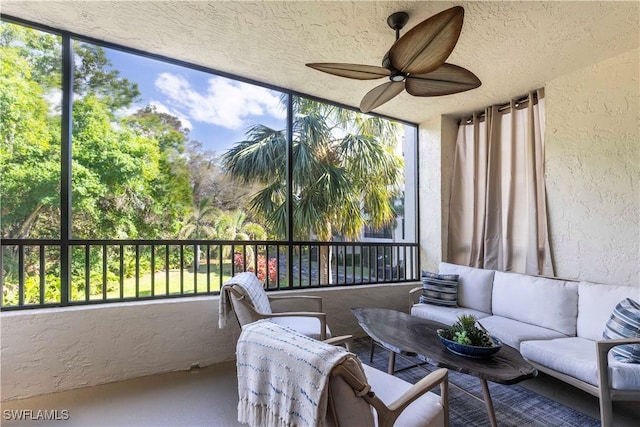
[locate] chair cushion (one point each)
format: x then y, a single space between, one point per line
426 411
624 323
439 289
474 285
446 315
595 305
513 332
309 326
540 301
576 357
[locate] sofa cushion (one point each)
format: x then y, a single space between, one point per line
474 285
424 411
513 332
540 301
595 305
624 323
576 357
439 289
446 315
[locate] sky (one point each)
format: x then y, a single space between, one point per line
217 110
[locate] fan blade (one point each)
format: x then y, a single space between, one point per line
379 95
445 80
352 71
427 45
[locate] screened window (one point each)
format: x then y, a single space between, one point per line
179 178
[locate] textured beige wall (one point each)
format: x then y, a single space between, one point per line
592 174
429 194
437 148
52 350
593 171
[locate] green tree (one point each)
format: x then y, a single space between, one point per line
208 180
29 150
171 189
345 173
130 178
113 172
93 75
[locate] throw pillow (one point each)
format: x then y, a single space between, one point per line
439 289
624 323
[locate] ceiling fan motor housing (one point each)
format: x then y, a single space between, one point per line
398 20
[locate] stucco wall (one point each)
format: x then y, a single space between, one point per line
50 350
429 194
437 148
592 171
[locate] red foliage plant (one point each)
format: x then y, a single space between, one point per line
264 267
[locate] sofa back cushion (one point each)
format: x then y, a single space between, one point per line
596 303
474 285
540 301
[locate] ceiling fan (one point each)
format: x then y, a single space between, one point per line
415 61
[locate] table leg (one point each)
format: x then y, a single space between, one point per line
392 362
489 403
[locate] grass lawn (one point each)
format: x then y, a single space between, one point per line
185 283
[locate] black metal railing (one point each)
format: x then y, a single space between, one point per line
103 271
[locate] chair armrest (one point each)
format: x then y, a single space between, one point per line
605 345
602 352
316 299
412 295
604 389
438 377
602 349
295 314
347 340
388 414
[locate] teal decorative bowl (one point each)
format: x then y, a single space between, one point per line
471 350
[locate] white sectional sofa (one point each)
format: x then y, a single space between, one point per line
556 324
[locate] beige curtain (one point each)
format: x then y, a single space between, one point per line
498 214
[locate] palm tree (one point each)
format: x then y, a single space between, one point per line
233 226
345 173
199 224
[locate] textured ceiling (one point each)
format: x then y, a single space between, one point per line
512 47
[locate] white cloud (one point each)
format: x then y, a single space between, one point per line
161 108
225 103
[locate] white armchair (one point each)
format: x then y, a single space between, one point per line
284 375
250 303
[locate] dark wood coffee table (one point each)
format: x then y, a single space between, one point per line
413 336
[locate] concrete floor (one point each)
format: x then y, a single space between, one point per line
208 397
203 397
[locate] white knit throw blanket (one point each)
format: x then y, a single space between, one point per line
283 376
250 283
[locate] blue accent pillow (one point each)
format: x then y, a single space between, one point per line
624 323
439 289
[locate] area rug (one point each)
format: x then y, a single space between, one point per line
515 406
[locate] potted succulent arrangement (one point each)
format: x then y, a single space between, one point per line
466 339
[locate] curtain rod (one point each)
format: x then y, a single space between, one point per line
524 99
